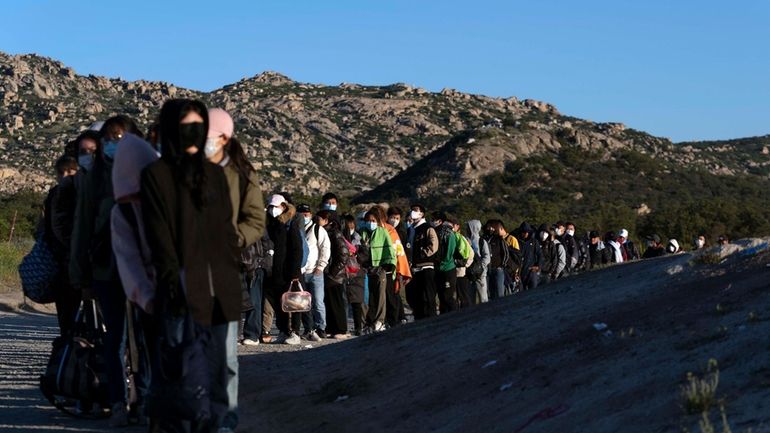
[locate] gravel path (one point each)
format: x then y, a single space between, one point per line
25 343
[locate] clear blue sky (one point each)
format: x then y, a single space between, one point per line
679 69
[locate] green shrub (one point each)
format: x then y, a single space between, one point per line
11 254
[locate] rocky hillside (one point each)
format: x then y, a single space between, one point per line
309 138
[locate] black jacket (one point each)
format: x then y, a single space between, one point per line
530 250
189 228
286 232
336 271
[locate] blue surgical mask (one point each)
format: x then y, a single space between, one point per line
110 147
307 220
372 226
86 161
331 207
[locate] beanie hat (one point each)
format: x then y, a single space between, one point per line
220 123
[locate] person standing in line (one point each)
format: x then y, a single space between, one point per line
92 267
421 291
134 258
286 232
479 287
335 277
319 246
188 219
223 149
382 266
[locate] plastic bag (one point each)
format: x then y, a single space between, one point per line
298 301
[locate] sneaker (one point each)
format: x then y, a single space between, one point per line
293 339
137 414
312 336
280 339
321 333
249 342
119 415
379 326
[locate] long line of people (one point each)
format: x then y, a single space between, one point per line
178 227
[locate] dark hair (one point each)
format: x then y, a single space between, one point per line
560 224
65 163
348 218
419 207
121 121
238 157
381 216
374 213
71 148
324 214
86 135
570 223
393 210
496 225
329 196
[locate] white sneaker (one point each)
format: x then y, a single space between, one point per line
312 336
293 339
379 326
250 342
280 339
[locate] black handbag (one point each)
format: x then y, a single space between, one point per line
180 385
76 368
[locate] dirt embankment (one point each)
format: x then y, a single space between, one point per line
536 363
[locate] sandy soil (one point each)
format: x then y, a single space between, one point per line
535 362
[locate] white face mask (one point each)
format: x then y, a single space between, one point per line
543 236
307 220
331 207
393 222
571 232
372 225
212 148
700 243
559 232
276 211
416 215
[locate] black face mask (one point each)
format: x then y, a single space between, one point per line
192 135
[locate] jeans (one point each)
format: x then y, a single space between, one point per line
496 283
315 285
480 287
252 328
231 350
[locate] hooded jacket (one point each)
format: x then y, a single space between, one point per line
188 219
530 250
129 241
480 246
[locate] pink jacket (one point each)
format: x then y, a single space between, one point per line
132 253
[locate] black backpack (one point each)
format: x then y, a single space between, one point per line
475 271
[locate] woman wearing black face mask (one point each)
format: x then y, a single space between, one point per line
187 215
